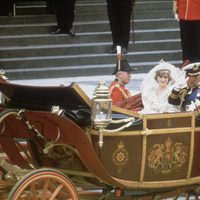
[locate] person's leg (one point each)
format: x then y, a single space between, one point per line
185 33
113 16
60 15
50 7
125 19
70 6
65 16
195 40
6 7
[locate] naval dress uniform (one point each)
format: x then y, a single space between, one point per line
184 97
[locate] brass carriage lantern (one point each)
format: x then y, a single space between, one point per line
101 109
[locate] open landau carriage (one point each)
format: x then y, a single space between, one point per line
60 154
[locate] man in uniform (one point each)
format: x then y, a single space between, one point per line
117 88
184 94
65 16
119 14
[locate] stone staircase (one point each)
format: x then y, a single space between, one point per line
28 49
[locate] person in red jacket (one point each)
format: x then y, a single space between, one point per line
117 88
189 20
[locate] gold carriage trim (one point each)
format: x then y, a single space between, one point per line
168 157
120 156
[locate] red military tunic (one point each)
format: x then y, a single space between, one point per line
188 9
118 92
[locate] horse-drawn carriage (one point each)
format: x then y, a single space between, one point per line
55 153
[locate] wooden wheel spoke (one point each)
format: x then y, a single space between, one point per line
56 192
45 188
28 196
33 189
176 197
187 196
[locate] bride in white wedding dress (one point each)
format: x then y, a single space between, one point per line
156 87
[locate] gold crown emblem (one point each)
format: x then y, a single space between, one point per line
121 145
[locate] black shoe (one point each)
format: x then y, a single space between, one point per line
124 50
71 33
59 31
113 49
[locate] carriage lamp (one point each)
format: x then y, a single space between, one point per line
101 115
101 109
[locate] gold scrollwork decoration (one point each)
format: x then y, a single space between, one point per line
168 157
120 156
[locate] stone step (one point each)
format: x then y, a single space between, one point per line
38 7
68 49
101 26
86 59
82 17
80 70
146 14
47 39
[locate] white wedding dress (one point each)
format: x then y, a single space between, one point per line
154 103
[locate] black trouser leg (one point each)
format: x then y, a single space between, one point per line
70 6
185 33
125 17
119 14
113 15
6 7
195 40
50 6
65 14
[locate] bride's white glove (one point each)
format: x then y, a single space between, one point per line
181 83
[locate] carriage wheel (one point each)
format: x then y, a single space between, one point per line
44 184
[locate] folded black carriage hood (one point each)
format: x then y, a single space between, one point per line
43 97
